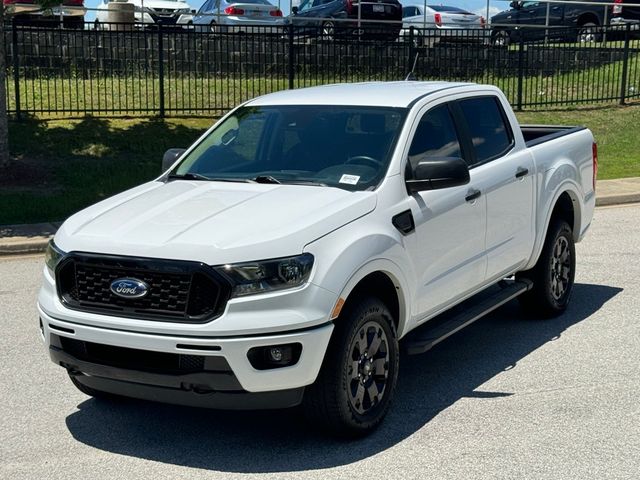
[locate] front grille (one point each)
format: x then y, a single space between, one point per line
177 291
142 360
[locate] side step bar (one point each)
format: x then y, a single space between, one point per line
446 324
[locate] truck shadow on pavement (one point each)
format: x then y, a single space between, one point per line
280 441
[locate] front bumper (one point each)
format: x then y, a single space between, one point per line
232 350
215 387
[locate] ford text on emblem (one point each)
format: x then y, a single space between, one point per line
129 288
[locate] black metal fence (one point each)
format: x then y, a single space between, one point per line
183 71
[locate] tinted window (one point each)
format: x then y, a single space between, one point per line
489 133
435 136
409 12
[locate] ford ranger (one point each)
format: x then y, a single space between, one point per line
288 255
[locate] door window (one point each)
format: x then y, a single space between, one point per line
436 136
488 128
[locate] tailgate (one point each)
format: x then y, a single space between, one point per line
379 10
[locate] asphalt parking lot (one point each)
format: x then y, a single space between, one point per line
509 397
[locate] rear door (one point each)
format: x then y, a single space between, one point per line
508 183
533 15
312 12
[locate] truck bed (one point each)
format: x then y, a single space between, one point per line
537 134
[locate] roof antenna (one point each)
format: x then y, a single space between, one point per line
411 76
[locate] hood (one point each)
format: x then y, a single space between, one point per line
212 222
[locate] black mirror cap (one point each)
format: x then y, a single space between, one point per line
170 156
438 172
294 10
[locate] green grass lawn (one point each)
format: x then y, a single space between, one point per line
615 130
66 165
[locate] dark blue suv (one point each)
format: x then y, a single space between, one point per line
377 19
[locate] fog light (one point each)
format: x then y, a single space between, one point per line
274 356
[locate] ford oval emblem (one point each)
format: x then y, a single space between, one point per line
129 288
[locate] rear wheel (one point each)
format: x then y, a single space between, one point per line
355 386
588 33
329 30
553 274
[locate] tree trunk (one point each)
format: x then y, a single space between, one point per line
4 120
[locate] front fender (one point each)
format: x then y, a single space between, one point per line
344 259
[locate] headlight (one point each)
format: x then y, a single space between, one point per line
268 275
52 256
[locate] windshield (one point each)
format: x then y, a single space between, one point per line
339 146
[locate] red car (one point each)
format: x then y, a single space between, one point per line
29 12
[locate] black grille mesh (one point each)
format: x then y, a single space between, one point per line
179 291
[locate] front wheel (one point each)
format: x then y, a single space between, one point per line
355 386
553 274
501 38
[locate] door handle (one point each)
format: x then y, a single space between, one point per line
521 172
472 194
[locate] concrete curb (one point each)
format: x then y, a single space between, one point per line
26 239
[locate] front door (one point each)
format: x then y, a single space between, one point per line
448 253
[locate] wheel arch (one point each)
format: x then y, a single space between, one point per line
383 280
588 17
566 205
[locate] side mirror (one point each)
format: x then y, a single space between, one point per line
294 10
516 5
170 156
438 172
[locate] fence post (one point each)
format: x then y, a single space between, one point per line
161 69
625 66
16 65
520 71
291 69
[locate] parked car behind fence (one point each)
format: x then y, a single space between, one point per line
377 19
224 15
147 12
583 21
70 12
448 22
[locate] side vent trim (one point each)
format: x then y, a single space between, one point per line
404 222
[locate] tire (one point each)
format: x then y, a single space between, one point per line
554 273
328 31
355 386
501 39
92 392
588 33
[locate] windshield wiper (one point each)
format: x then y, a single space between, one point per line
198 176
187 176
305 182
266 179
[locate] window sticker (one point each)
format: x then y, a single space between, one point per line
350 179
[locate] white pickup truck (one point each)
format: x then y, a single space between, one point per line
292 250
